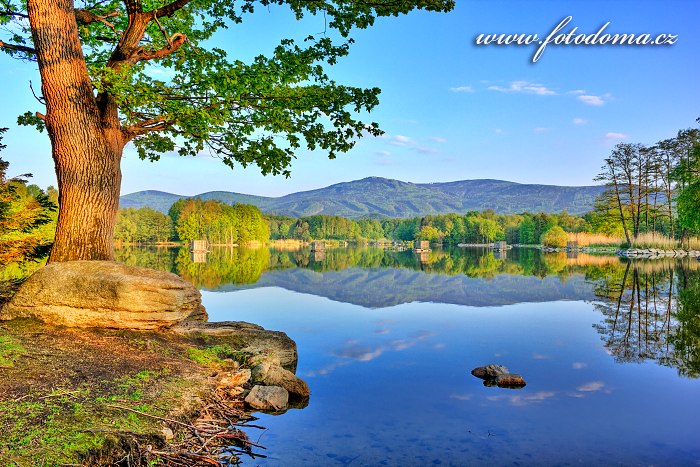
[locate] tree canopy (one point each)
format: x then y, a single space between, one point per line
258 113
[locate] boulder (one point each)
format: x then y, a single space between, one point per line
268 398
105 294
239 378
489 371
273 375
247 337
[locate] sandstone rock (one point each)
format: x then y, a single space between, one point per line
105 294
273 375
268 398
248 337
239 378
489 371
509 380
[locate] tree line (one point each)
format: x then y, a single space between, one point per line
472 227
192 219
652 188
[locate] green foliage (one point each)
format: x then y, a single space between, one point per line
214 356
555 237
218 223
689 207
27 218
143 225
261 112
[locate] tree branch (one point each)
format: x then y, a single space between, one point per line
13 13
18 48
87 17
171 8
174 42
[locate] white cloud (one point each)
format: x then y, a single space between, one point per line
438 139
524 87
462 89
425 150
382 153
580 121
614 136
578 365
400 140
591 100
499 131
577 92
541 130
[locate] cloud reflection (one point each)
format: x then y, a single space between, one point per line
526 399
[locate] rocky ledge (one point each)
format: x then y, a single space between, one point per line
655 253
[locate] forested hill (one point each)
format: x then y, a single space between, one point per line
383 197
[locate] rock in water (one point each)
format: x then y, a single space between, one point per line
268 398
509 380
105 294
489 371
273 375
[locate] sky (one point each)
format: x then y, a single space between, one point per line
450 109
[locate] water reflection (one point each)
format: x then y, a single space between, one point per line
652 312
650 309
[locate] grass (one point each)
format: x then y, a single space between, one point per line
63 391
10 351
594 239
216 355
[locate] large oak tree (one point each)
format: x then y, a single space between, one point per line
100 64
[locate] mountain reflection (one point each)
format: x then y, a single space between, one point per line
651 309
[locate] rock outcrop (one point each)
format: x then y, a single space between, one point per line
105 294
246 337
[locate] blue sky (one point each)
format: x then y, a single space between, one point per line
451 110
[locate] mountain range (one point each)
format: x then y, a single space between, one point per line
382 197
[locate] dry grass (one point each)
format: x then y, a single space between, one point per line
589 239
654 240
692 243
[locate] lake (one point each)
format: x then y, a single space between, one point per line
610 351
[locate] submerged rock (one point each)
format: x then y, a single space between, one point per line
489 371
498 375
510 380
105 294
268 398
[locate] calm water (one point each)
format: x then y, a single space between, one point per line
610 351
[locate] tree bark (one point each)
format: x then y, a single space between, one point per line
86 138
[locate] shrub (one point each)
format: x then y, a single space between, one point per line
555 237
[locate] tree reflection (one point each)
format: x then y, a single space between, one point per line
652 312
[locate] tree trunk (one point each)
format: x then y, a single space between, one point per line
86 139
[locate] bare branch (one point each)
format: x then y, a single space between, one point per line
87 17
13 13
174 42
18 48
